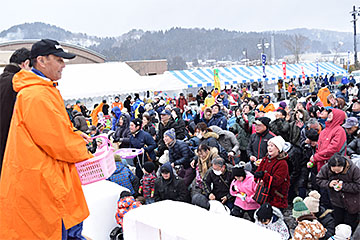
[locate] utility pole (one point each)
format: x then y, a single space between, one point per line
354 13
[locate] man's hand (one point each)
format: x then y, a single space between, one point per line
192 164
212 196
85 137
223 199
253 158
231 154
173 165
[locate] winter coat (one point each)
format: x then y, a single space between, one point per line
148 184
211 139
219 120
115 120
7 102
150 128
292 103
308 228
349 196
219 185
331 140
276 167
123 176
94 114
267 108
205 164
180 154
280 127
39 184
326 218
247 186
142 139
277 223
171 189
353 147
243 129
297 165
227 140
80 121
122 133
162 129
125 204
294 133
181 102
180 126
258 144
323 94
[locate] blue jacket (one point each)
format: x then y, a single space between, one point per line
180 154
115 119
144 140
218 120
123 176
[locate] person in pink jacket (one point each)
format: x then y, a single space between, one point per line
331 140
243 188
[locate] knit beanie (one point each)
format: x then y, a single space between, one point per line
279 142
149 167
299 208
312 202
265 212
170 133
342 232
238 172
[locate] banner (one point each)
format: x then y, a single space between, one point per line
263 58
303 75
216 79
284 69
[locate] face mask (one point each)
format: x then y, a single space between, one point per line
117 100
217 172
199 136
313 99
174 115
300 116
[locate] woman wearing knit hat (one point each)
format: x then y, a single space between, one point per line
342 232
324 216
308 226
274 166
243 188
271 218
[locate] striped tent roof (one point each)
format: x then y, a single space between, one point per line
242 74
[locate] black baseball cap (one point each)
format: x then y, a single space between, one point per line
46 47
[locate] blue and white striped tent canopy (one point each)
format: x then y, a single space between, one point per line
242 74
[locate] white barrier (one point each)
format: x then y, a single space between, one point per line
101 198
170 220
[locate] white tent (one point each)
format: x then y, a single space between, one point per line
170 220
101 79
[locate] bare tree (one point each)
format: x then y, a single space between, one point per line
297 45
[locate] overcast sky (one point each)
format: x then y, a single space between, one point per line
115 17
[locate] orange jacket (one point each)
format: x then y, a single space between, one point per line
77 108
323 94
95 112
39 186
117 104
269 108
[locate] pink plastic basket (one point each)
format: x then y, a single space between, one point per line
100 167
127 153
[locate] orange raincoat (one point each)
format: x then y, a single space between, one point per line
323 94
39 186
95 112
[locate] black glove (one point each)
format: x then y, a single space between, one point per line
259 174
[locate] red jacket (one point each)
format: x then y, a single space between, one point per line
181 102
279 170
331 140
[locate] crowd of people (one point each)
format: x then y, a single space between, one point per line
218 147
218 150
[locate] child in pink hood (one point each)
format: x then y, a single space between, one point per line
243 188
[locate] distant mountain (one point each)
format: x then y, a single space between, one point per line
182 44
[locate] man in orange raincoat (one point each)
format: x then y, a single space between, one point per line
40 190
